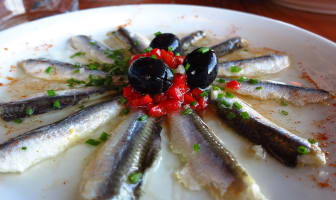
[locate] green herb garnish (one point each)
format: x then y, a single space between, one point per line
143 118
29 111
125 111
203 49
154 56
92 142
157 33
104 136
92 66
204 94
18 121
235 69
23 148
170 49
57 104
215 87
187 111
220 96
123 100
92 43
283 103
76 71
284 112
221 80
136 43
302 150
253 81
173 70
229 95
187 67
258 88
193 103
225 103
311 141
77 54
149 49
72 82
51 93
177 54
49 70
134 177
245 115
230 115
237 105
242 78
196 147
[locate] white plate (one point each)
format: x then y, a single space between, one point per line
58 178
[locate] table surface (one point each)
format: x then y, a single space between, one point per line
324 25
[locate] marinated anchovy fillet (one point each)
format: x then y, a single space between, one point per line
58 71
190 39
258 66
44 102
280 91
229 46
116 171
135 42
283 145
91 49
20 153
208 163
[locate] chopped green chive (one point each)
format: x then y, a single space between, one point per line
242 78
49 70
177 54
136 43
92 142
154 56
311 141
57 104
245 115
170 49
173 70
220 96
283 103
284 112
81 107
196 147
76 65
253 81
157 33
148 49
193 103
204 94
187 66
221 80
225 103
258 88
230 115
123 100
302 150
23 148
77 54
107 52
104 136
125 111
92 43
72 82
203 49
235 69
215 87
143 118
229 95
18 121
76 71
29 111
51 93
237 105
92 66
135 177
187 111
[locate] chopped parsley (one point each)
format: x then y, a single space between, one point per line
245 115
92 43
302 150
187 111
215 87
177 54
173 70
253 81
123 100
104 136
148 49
225 103
235 69
57 104
237 105
193 103
125 111
204 94
187 66
284 112
157 33
51 93
203 49
18 121
92 142
72 82
29 111
258 88
77 54
170 49
229 95
283 103
92 66
196 147
220 96
24 148
154 56
221 80
230 115
311 141
49 70
242 78
75 71
135 177
136 43
143 118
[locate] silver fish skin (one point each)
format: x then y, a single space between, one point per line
131 148
258 66
32 147
229 46
190 39
212 166
43 103
93 49
61 71
133 41
271 90
280 143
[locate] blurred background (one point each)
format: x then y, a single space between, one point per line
318 16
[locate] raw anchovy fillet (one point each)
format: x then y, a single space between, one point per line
258 66
93 49
43 103
279 142
229 46
211 165
135 42
131 148
190 39
58 71
280 91
20 153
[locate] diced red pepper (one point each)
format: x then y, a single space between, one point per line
202 104
233 85
174 92
188 98
196 93
157 111
171 105
159 98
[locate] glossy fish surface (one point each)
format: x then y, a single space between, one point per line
19 153
44 102
230 45
270 90
91 49
206 162
58 71
286 147
190 39
131 149
258 66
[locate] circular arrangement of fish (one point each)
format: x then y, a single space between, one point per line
125 155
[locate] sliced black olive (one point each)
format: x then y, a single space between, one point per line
150 75
201 67
166 41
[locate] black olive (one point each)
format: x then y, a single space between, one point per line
149 75
166 41
201 67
